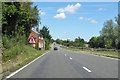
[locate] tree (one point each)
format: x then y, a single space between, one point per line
79 42
117 32
96 42
107 33
46 33
18 18
100 42
92 42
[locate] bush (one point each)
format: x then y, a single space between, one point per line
47 44
36 46
12 46
109 47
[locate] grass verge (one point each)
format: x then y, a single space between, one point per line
113 54
20 60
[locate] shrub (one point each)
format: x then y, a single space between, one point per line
12 46
36 46
46 44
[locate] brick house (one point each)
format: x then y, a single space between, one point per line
41 40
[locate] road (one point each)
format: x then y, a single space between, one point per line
70 64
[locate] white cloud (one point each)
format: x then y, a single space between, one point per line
60 16
89 19
81 18
65 32
70 8
93 21
101 9
42 13
60 36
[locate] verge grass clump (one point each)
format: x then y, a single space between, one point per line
17 53
12 46
113 54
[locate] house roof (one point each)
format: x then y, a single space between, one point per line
40 35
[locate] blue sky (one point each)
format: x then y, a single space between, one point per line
68 20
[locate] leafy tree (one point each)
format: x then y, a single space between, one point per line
18 18
46 44
117 32
79 42
100 42
96 42
46 33
108 33
92 42
59 41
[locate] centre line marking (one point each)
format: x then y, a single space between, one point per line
65 54
70 58
87 69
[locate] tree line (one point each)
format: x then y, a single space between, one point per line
109 37
78 42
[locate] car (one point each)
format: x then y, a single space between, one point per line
55 48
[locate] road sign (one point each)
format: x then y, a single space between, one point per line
32 40
33 45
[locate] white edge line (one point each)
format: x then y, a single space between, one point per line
87 69
25 66
70 58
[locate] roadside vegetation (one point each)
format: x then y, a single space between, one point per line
18 18
108 39
78 42
113 54
27 55
47 37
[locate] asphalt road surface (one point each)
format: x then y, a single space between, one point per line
69 64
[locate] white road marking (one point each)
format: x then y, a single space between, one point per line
70 58
97 55
87 69
25 66
65 54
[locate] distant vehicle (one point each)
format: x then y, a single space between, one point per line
55 48
60 45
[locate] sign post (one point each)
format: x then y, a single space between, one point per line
32 41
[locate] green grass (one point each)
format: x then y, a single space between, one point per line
21 59
113 54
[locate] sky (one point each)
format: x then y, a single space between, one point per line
68 20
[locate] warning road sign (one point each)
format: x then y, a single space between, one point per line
32 40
